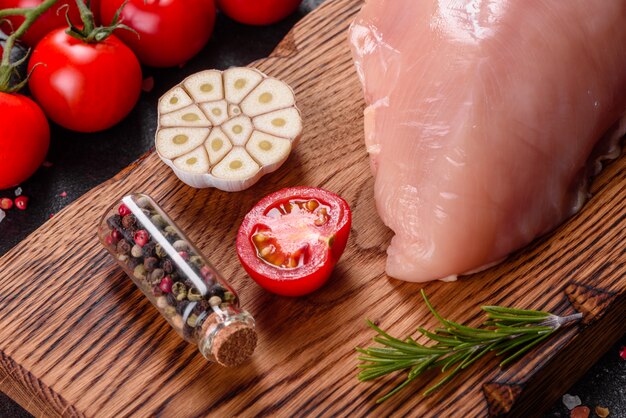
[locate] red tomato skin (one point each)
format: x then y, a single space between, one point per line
258 12
84 87
302 280
170 32
53 18
24 140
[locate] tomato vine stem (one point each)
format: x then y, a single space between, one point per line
7 68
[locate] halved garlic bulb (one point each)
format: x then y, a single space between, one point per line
227 129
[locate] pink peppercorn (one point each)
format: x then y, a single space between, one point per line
116 235
123 210
184 255
166 284
141 237
21 202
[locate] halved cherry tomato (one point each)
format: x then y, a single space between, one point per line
291 240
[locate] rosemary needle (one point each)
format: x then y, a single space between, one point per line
456 346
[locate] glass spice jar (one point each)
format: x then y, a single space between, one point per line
186 289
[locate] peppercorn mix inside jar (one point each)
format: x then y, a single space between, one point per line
186 289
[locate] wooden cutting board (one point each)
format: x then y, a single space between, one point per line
77 338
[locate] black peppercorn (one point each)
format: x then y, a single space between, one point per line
156 291
129 222
188 331
149 249
150 263
201 306
156 276
123 247
115 222
171 299
168 266
134 262
216 290
181 307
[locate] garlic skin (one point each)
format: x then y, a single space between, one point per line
227 129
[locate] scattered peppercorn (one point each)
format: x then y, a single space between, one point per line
6 203
580 412
602 412
21 202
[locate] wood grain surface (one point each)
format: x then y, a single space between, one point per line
78 339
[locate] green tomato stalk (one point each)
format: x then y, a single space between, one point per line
7 68
90 33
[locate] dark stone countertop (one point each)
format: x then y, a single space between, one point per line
81 162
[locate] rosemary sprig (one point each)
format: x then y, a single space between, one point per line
506 331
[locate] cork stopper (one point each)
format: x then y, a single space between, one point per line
234 344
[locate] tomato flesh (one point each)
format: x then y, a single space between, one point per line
291 240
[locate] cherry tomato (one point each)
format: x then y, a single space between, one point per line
53 18
170 31
84 87
258 12
291 240
24 140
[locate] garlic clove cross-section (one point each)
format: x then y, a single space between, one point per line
227 129
196 161
187 116
175 99
217 145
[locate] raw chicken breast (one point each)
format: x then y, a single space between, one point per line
484 119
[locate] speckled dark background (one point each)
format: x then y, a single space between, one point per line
80 162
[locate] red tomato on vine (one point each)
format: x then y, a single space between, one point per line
51 19
258 12
24 141
170 31
84 85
